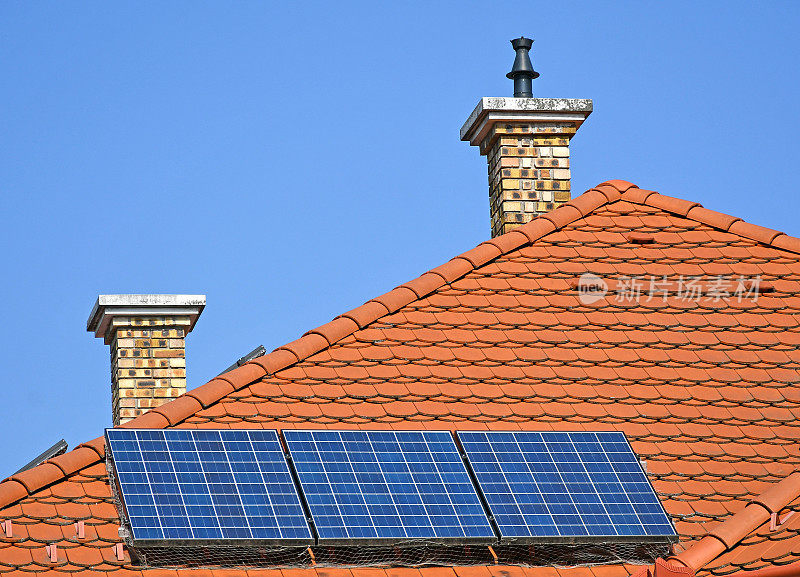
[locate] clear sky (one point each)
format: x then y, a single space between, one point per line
292 160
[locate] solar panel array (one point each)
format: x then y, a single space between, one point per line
565 485
181 484
198 485
390 485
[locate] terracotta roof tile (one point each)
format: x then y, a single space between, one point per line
499 338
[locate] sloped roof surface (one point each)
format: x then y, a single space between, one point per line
705 388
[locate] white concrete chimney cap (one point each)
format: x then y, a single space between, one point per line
109 306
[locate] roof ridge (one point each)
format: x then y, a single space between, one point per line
176 411
725 222
25 483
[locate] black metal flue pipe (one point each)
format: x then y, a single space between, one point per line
522 73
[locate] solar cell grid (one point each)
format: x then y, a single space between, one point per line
206 485
565 485
387 485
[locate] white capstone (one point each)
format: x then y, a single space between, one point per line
107 307
491 110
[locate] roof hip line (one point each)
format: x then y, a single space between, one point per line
728 534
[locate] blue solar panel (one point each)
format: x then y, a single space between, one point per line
388 485
545 485
181 484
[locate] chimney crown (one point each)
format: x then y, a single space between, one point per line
512 110
107 307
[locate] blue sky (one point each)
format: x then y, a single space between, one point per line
293 160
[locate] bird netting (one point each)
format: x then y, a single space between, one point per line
413 554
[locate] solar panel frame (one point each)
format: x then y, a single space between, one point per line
171 494
360 475
552 485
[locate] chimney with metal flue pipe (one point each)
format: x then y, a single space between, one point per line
526 142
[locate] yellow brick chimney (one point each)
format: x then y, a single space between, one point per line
147 336
526 142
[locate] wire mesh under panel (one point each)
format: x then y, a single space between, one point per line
570 555
416 554
220 556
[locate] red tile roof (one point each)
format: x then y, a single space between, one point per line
706 390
